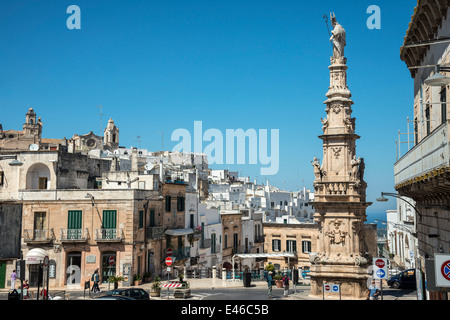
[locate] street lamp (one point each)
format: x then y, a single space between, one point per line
396 195
438 80
14 163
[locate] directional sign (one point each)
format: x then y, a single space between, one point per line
335 288
380 273
169 261
442 269
379 268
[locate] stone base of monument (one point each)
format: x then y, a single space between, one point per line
352 280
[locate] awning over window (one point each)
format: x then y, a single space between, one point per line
35 256
265 255
179 232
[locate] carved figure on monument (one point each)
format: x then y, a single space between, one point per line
350 123
325 123
318 173
355 167
338 38
337 236
361 170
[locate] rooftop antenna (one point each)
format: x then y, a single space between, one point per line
138 141
100 114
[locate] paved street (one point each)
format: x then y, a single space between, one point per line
216 289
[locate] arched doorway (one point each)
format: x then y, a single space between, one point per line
38 177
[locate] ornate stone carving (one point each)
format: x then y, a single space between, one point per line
337 236
336 151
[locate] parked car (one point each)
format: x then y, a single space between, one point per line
134 293
114 297
404 279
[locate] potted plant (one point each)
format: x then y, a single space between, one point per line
115 279
147 277
137 279
155 290
278 280
184 291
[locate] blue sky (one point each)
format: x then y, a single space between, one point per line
159 66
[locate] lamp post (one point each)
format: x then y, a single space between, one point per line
396 195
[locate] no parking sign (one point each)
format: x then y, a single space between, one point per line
442 269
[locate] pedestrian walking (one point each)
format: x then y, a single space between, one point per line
269 280
13 279
373 292
286 285
96 279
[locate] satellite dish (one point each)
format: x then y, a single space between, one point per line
34 147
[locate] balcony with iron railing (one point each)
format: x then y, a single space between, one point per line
38 236
430 154
205 243
182 253
109 235
74 235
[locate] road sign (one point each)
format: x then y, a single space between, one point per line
327 288
169 261
335 288
380 263
45 261
169 252
380 273
442 269
111 260
379 268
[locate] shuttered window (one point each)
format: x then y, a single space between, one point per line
75 219
109 219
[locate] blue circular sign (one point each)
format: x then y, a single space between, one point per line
380 273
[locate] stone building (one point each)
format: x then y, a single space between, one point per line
422 174
299 239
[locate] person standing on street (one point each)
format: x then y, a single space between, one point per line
286 285
374 292
13 279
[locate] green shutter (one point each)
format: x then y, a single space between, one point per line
109 219
74 220
141 218
152 218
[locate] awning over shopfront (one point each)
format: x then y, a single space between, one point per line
265 255
179 232
35 256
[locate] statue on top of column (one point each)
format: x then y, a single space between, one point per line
338 38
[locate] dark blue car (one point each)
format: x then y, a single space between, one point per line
405 280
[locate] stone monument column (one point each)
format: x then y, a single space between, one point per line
340 190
